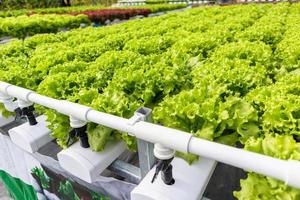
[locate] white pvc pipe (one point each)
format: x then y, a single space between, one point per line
43 100
287 171
150 132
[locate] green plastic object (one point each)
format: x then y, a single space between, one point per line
17 189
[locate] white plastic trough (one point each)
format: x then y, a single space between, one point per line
190 182
87 164
31 138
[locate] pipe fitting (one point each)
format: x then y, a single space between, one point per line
164 158
163 153
4 97
76 123
23 104
11 106
20 93
79 130
8 102
29 113
142 114
26 109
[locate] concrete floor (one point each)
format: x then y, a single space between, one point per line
3 193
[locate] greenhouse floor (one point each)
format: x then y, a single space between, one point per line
3 193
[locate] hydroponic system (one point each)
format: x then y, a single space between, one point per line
179 92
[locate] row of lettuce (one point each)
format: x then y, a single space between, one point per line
57 10
7 4
62 10
42 4
232 77
28 25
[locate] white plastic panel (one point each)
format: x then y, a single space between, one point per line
31 138
87 164
190 182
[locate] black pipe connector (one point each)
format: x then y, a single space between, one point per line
27 112
167 175
83 137
81 134
166 169
19 115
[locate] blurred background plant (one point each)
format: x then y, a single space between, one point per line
29 4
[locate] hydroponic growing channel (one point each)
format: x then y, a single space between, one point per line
224 74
